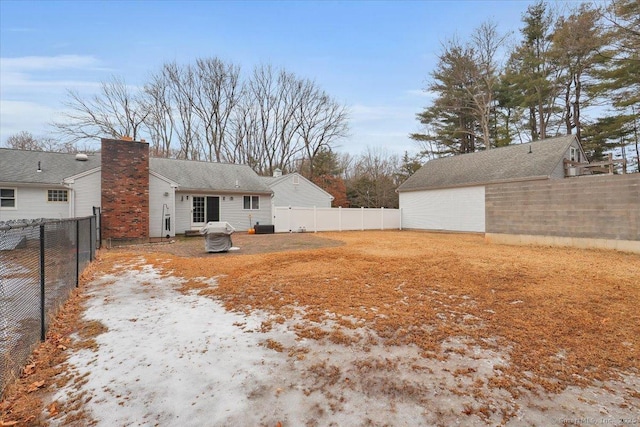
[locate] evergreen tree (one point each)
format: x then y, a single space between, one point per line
465 80
577 41
531 73
619 75
450 116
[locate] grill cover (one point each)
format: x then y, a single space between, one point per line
217 236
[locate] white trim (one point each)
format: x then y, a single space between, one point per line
251 208
476 184
15 199
165 179
49 190
70 179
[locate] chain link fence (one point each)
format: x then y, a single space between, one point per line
40 264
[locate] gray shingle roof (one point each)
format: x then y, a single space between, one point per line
271 180
510 163
19 166
193 175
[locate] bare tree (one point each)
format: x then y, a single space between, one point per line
276 100
183 94
287 119
239 129
206 111
215 99
373 180
116 111
321 121
486 43
160 121
23 140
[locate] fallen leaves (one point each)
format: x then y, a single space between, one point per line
53 409
415 288
35 386
22 400
29 369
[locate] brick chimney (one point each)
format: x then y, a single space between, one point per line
125 189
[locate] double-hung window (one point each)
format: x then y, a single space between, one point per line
251 202
7 198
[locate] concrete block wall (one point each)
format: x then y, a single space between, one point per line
592 207
125 189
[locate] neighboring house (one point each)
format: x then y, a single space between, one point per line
32 184
449 193
139 196
295 190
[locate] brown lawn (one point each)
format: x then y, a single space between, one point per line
565 317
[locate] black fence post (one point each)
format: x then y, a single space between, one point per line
92 243
77 252
42 298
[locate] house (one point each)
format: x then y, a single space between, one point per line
295 190
139 196
449 193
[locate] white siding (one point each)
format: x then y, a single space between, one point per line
454 209
87 194
234 213
31 203
182 212
231 210
296 219
305 194
161 207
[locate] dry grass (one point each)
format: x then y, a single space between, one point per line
564 316
22 401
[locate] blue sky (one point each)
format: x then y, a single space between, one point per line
372 56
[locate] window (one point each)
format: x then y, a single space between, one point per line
574 154
7 198
252 202
198 209
57 196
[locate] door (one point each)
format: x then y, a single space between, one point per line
213 209
205 209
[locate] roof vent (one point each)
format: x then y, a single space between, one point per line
81 157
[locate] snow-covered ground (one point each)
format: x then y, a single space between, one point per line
172 359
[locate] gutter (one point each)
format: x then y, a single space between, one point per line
218 191
477 184
34 184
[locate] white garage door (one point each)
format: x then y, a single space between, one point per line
454 209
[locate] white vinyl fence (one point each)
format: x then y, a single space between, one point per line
294 219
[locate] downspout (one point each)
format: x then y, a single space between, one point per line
162 222
72 199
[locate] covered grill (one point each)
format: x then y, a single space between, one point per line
217 236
